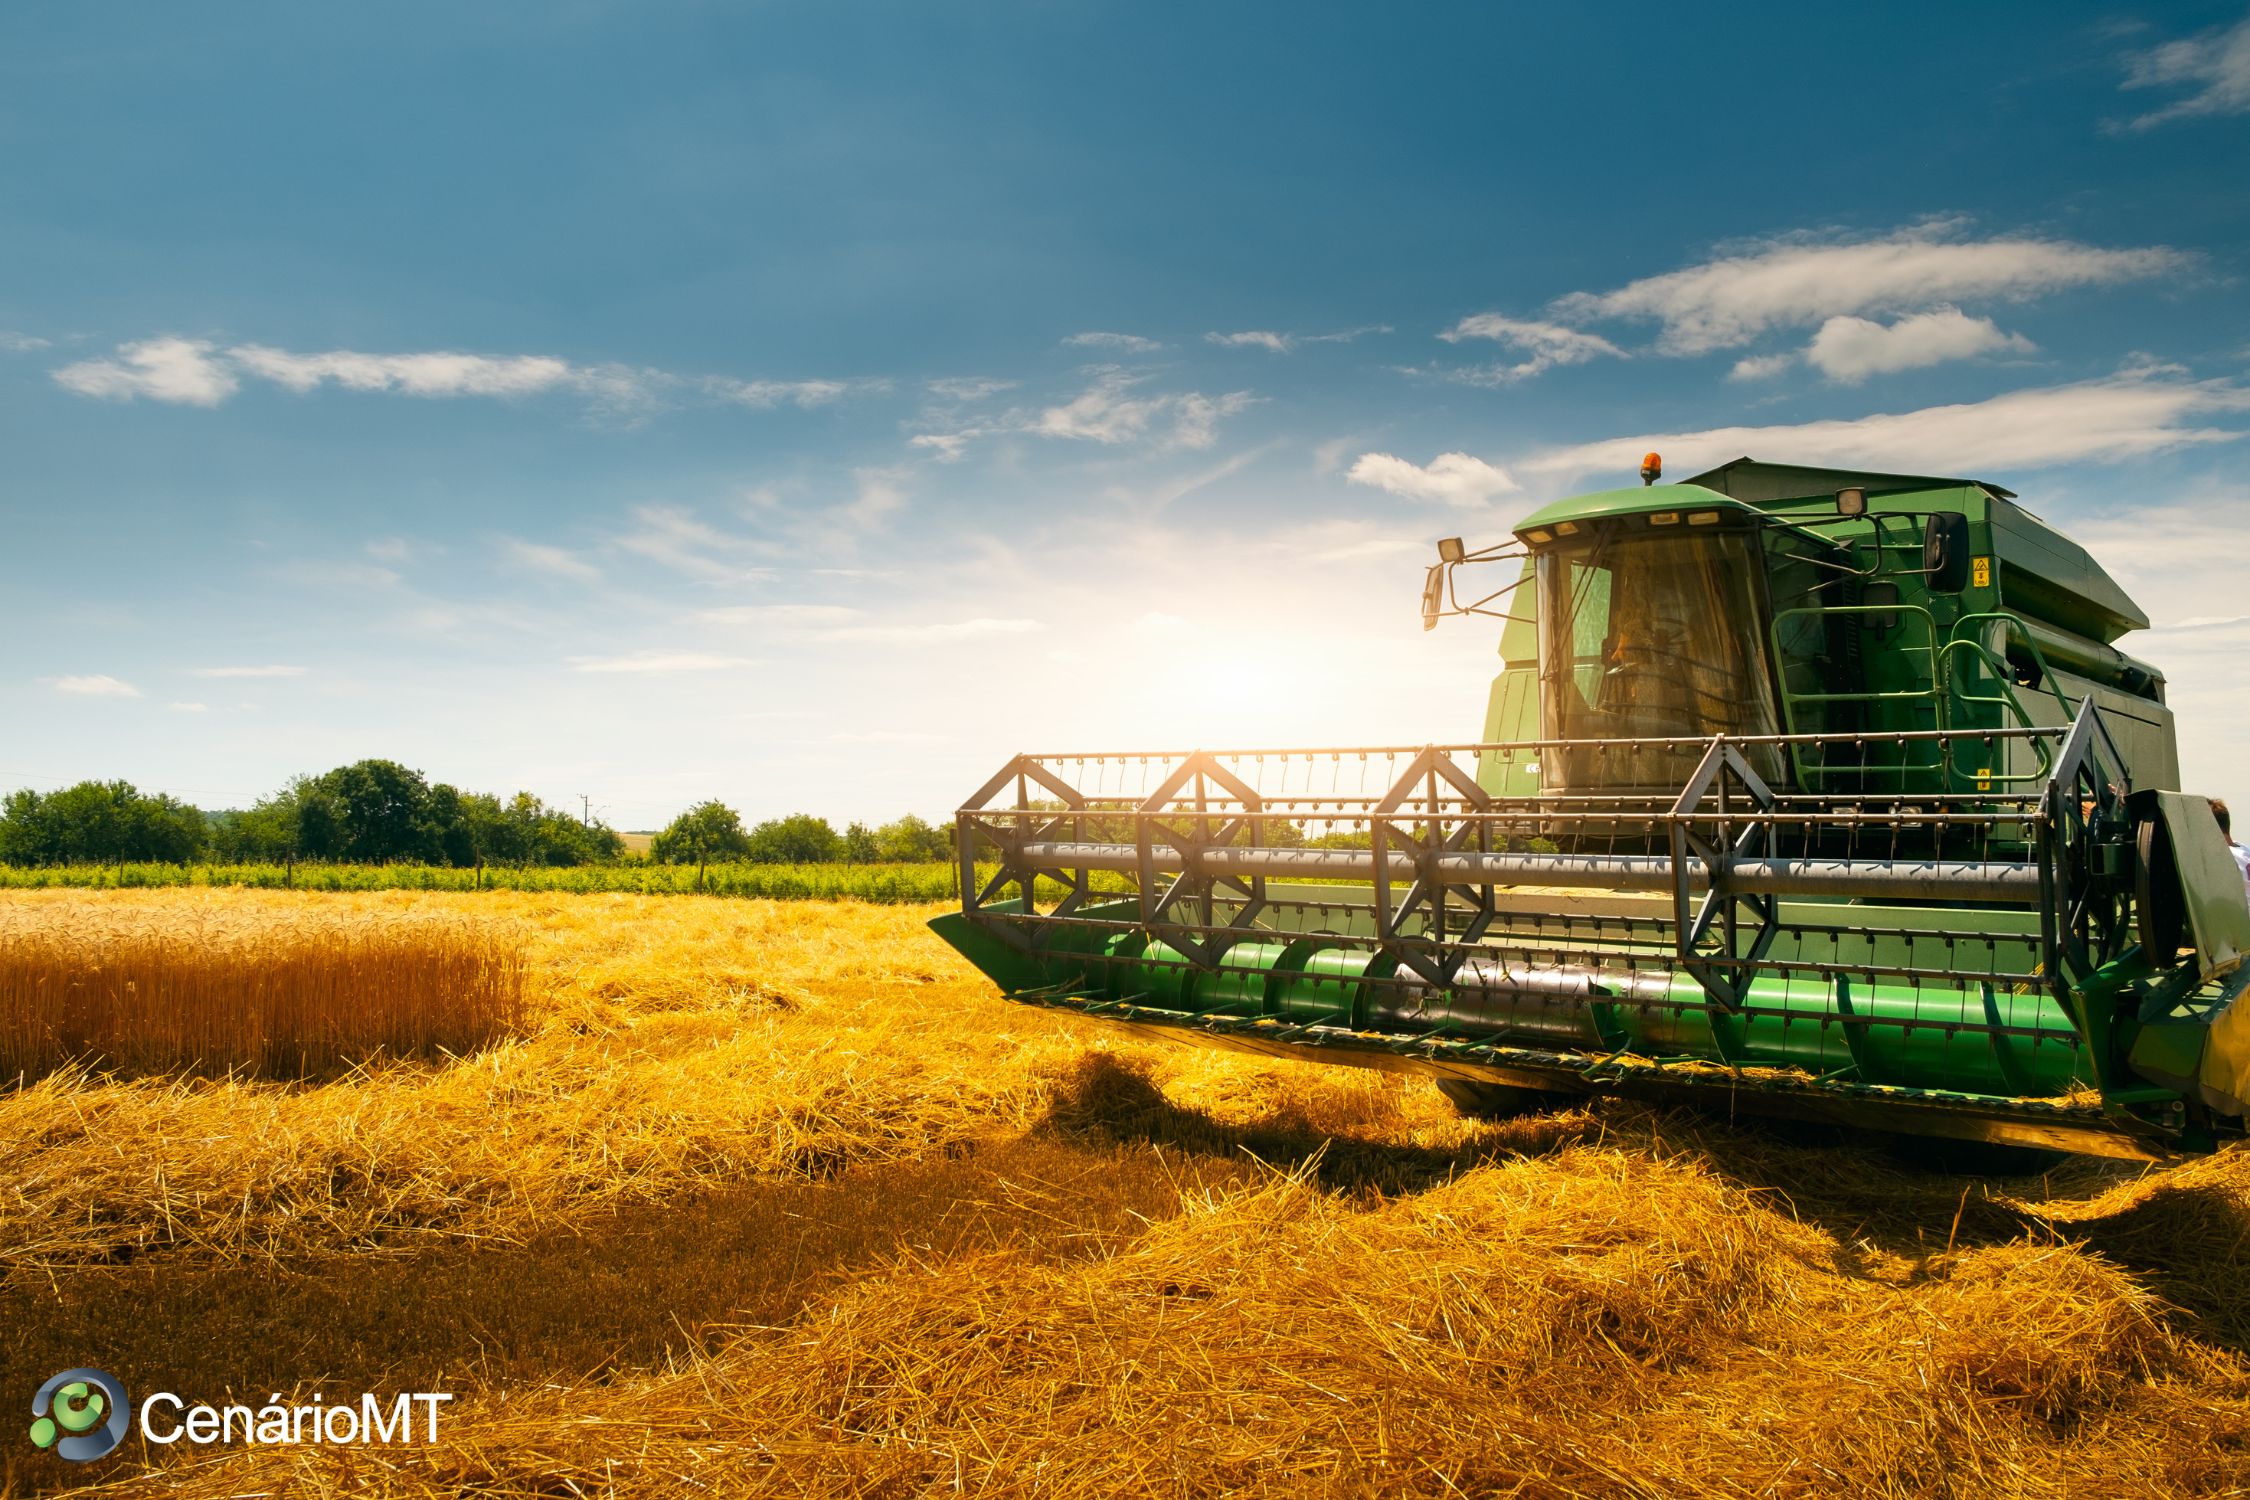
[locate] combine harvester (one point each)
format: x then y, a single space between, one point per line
1802 792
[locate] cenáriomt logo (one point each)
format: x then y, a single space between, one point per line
81 1414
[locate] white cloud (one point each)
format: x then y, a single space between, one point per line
2094 421
100 685
1851 349
189 708
194 372
1546 345
437 374
1283 343
21 343
2216 65
1108 412
653 662
1123 343
274 670
967 387
802 394
676 539
948 446
1457 479
1256 338
180 371
1102 414
1196 417
1803 280
539 557
1761 366
881 494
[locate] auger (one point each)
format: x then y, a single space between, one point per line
1806 792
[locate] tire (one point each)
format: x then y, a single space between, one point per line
1498 1101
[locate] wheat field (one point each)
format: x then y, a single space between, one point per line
778 1198
164 988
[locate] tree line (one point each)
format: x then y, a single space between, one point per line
381 812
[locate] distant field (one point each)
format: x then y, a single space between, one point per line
767 1198
827 882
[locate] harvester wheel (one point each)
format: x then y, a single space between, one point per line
1497 1101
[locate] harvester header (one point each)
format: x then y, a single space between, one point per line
1802 791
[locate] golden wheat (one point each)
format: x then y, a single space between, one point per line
213 989
779 1199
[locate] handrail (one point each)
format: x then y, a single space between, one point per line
1808 771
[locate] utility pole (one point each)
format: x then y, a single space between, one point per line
585 811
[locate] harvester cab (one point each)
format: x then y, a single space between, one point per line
1801 791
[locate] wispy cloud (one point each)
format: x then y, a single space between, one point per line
1110 411
432 375
269 670
98 685
765 395
1762 366
2094 421
659 662
967 388
189 708
1457 479
1544 345
197 372
21 343
539 557
1121 343
1115 409
1851 349
180 371
679 540
2214 66
946 447
1803 280
1284 343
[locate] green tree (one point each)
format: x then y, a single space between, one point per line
799 839
707 831
386 813
451 827
98 822
911 840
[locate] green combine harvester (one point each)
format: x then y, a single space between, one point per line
1802 792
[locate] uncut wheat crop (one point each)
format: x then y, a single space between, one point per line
216 988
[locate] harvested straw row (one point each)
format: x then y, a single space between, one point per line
1588 1324
274 994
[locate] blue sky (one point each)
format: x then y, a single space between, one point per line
810 405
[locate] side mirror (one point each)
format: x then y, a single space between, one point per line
1433 595
1945 552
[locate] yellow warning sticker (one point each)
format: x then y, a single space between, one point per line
1984 779
1980 572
